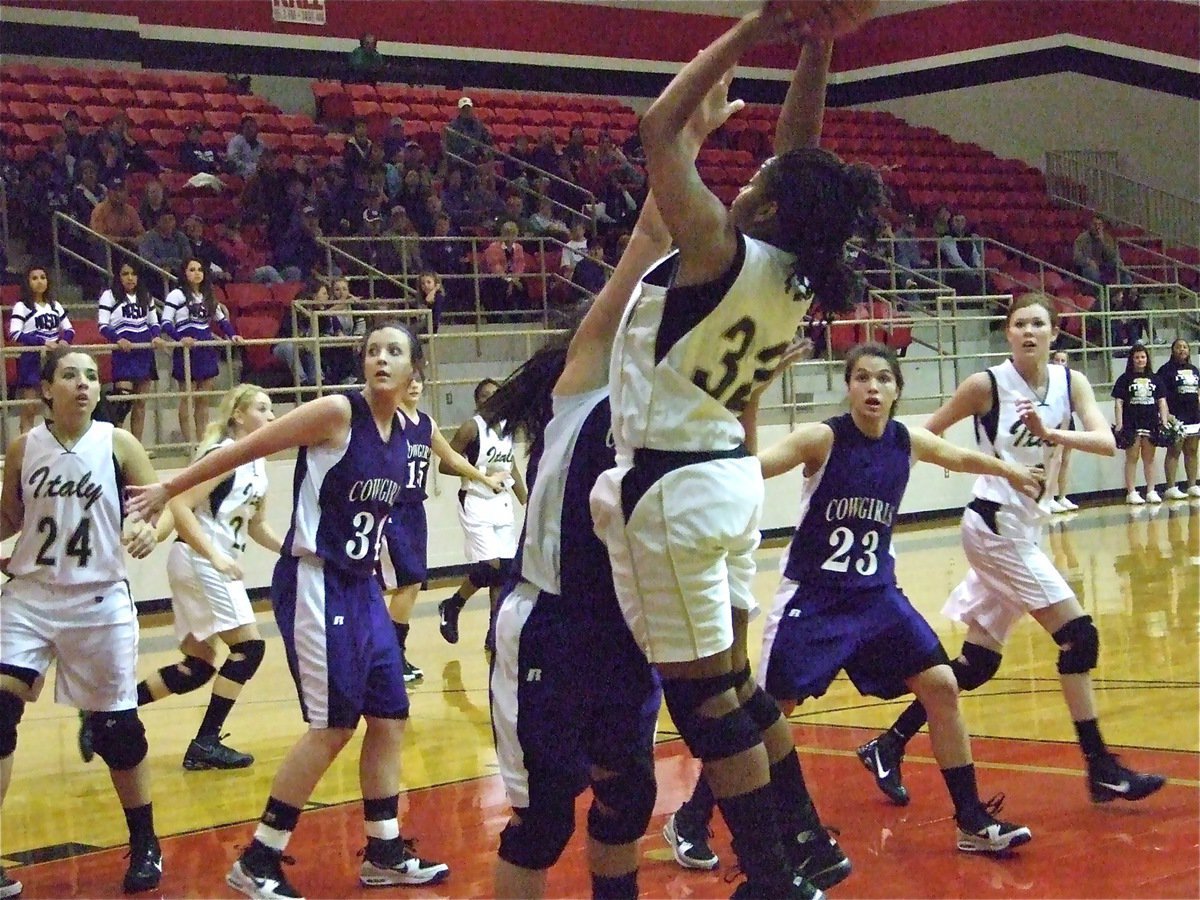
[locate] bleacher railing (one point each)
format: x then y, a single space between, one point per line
63 226
1089 179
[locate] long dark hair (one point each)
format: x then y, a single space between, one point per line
27 295
822 203
524 403
144 300
206 291
416 352
1139 347
875 350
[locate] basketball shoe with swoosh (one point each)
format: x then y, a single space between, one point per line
882 757
1108 780
987 834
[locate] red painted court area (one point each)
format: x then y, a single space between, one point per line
1148 849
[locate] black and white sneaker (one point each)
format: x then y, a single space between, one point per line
260 876
207 752
9 887
448 611
398 864
411 672
1108 780
145 866
819 858
988 834
882 759
689 844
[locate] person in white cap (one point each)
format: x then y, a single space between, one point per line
464 134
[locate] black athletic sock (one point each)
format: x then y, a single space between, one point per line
968 810
401 634
214 716
140 820
697 810
620 887
753 821
796 811
909 723
274 830
1089 738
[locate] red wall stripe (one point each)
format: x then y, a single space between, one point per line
635 34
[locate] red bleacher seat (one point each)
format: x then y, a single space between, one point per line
148 118
243 298
285 292
253 104
258 357
183 118
188 100
221 100
87 331
222 120
119 96
166 138
40 133
26 74
144 80
28 112
44 93
847 330
154 98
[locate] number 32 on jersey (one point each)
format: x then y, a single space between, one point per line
731 386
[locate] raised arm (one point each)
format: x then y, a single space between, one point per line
928 447
800 119
808 445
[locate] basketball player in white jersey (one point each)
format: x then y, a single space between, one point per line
1022 411
487 519
204 569
68 597
680 511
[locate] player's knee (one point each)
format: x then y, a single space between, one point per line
536 835
709 737
243 661
760 707
623 802
1079 646
975 666
12 708
119 738
939 689
188 675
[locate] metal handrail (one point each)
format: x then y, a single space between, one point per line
109 245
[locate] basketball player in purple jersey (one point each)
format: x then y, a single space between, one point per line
340 645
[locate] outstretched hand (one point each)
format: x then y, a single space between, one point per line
714 110
145 501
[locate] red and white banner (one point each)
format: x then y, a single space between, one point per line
299 12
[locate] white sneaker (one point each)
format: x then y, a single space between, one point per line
1174 493
405 868
1067 503
1134 499
1194 490
1152 496
1055 507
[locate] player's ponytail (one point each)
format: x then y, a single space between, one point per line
235 400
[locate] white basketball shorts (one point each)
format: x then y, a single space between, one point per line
488 527
205 602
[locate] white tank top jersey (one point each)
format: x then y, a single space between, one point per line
232 504
1001 433
495 456
71 530
685 359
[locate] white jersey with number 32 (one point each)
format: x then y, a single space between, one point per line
71 531
227 512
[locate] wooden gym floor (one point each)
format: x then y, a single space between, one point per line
1136 571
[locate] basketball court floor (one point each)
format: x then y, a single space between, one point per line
1136 571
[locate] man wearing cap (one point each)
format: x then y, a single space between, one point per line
115 218
463 134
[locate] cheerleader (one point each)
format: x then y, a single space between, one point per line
132 324
38 320
1141 410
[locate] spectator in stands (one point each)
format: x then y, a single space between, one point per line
521 157
394 140
632 148
44 191
1096 255
249 263
433 297
133 153
414 156
941 221
164 245
75 137
365 64
299 255
463 135
194 157
353 201
545 155
153 202
447 256
425 217
513 211
482 203
314 295
576 249
415 187
961 258
87 193
104 153
907 251
115 218
245 148
216 263
574 151
547 223
357 154
402 254
612 161
328 192
338 363
62 161
590 273
504 260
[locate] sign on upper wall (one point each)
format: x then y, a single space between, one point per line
299 12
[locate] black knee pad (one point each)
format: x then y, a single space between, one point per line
706 737
975 666
1079 644
761 708
239 671
545 827
483 575
119 738
188 675
118 406
12 708
623 803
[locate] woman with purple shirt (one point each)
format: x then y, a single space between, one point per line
189 314
38 320
131 323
